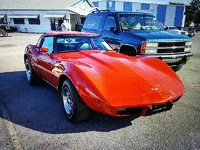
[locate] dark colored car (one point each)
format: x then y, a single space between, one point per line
190 32
4 29
134 33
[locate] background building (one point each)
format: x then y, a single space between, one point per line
43 15
169 15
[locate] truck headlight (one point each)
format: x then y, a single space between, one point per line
151 44
150 51
188 43
148 48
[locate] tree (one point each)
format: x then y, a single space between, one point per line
172 3
193 13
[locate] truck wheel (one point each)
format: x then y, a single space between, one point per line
2 32
177 68
75 109
129 52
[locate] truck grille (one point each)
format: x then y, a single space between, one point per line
171 50
170 44
171 47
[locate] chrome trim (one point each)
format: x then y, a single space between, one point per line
172 47
67 101
170 60
173 58
49 83
178 55
162 48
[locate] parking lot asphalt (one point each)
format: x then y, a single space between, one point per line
38 120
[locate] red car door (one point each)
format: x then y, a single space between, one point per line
46 62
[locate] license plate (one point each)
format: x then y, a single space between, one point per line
159 108
175 57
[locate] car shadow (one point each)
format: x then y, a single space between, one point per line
40 108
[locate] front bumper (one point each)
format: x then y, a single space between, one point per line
144 110
173 59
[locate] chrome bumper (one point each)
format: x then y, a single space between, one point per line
172 58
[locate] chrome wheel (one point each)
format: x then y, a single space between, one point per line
67 102
75 109
28 70
31 76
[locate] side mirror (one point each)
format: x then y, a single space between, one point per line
114 30
44 49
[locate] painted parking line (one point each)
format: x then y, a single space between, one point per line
10 129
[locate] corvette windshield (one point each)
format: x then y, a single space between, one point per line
139 22
77 43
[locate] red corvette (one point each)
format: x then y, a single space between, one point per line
88 74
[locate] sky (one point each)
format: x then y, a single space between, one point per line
165 1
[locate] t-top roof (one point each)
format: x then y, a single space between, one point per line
71 33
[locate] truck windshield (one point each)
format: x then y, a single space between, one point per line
139 22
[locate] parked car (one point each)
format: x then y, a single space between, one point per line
88 74
4 29
175 30
190 33
140 34
197 28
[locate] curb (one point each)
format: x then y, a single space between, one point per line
10 129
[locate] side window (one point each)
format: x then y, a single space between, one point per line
19 21
93 22
48 42
109 22
35 21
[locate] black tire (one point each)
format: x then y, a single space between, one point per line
129 52
31 76
75 109
3 32
177 68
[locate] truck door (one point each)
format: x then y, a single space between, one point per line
111 31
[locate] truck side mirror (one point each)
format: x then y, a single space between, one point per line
114 30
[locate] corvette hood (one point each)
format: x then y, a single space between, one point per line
120 79
158 36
